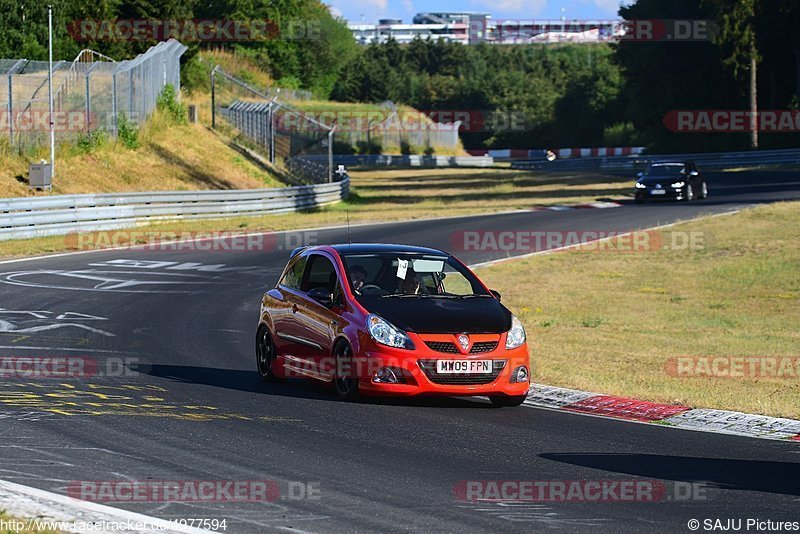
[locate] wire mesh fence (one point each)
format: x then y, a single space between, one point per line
92 93
306 142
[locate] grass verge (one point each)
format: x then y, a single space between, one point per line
170 158
396 195
611 322
21 526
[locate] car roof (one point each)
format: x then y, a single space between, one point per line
366 248
669 163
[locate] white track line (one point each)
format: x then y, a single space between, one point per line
26 502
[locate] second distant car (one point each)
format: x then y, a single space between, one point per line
673 180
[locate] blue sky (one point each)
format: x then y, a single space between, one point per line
372 10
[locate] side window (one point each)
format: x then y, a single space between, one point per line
319 273
294 276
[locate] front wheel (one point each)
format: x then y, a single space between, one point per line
689 195
345 384
265 355
506 400
704 191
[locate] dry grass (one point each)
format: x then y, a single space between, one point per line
610 322
170 158
5 518
397 195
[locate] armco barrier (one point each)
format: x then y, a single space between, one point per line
388 160
711 160
62 214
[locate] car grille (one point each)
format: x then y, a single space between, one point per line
448 347
429 368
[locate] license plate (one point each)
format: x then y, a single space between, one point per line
470 367
658 192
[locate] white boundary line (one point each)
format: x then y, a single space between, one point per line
615 236
27 502
227 234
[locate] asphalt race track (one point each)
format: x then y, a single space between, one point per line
190 405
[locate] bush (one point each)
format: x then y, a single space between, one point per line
621 134
169 104
87 143
127 132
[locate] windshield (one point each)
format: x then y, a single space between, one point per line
665 170
393 275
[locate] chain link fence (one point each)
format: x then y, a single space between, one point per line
92 93
305 143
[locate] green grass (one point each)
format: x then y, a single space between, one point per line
610 322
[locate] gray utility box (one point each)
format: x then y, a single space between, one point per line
40 175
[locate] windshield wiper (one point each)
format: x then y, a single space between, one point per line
402 295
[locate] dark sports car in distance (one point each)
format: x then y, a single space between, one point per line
673 180
375 319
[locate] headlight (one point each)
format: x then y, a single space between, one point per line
386 333
640 186
678 184
515 336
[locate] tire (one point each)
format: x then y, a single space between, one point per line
704 191
689 195
507 401
639 199
346 388
265 355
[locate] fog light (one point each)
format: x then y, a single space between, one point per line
385 375
520 374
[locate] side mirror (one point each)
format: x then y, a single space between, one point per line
496 294
693 173
321 295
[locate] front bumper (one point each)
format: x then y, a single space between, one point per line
669 193
418 367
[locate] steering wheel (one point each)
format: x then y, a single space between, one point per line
371 286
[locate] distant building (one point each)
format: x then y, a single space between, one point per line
470 27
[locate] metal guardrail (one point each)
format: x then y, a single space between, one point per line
63 214
711 160
389 160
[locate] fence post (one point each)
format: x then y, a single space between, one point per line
330 154
114 103
213 99
10 111
88 102
272 137
130 94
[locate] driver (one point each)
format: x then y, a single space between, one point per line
358 275
410 284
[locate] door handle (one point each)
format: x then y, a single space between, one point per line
334 322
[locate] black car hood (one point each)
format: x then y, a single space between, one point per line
472 315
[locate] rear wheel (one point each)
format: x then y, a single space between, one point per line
265 355
345 384
506 400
